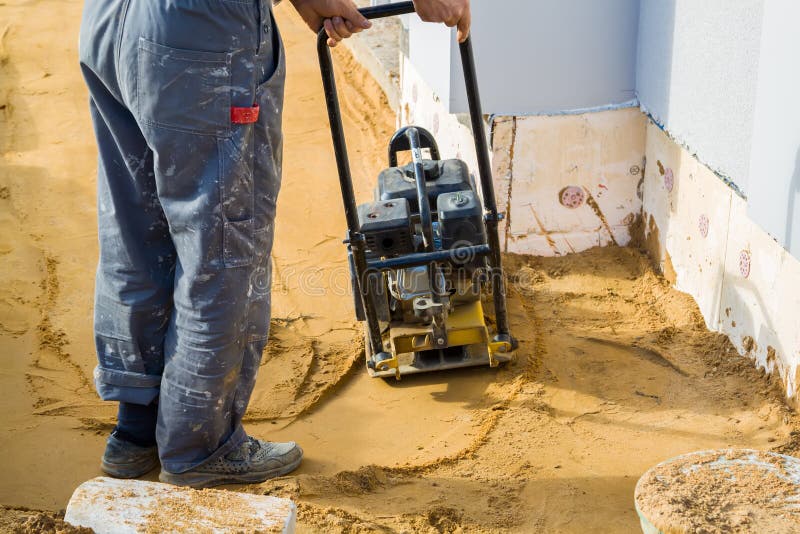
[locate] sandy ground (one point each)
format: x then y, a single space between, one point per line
615 372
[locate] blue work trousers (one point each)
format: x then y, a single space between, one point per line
186 99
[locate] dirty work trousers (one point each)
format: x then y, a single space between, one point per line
188 178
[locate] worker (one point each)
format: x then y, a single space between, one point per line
186 99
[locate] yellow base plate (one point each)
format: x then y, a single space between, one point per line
468 344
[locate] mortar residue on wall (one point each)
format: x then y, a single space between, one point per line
575 179
744 282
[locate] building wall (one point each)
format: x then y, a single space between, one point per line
773 200
535 56
720 77
698 230
716 75
421 106
696 75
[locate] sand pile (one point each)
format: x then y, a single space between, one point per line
616 371
30 522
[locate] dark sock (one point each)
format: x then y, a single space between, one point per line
137 423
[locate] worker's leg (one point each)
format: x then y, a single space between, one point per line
184 67
136 423
133 291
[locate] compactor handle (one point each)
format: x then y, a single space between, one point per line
334 113
337 130
387 10
401 142
355 239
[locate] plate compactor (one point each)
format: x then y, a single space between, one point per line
426 248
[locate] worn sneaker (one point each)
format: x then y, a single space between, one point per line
252 462
123 459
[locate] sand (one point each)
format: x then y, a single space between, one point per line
32 522
616 371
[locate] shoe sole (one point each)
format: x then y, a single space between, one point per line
208 480
127 470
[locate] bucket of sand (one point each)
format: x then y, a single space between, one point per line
724 490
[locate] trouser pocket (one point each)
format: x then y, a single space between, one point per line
185 90
237 196
218 176
238 244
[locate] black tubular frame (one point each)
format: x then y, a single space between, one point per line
400 142
355 240
425 217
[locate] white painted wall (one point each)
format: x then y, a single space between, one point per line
774 193
429 52
696 74
722 78
535 56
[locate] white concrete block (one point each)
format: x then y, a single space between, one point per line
113 506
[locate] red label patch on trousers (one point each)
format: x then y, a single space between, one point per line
244 115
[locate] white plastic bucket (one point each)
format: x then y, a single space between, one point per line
733 478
